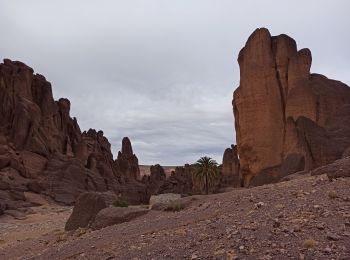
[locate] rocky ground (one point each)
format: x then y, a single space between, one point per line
307 218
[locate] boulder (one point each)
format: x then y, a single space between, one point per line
116 215
164 198
86 208
338 169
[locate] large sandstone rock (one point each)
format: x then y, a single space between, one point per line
116 215
282 110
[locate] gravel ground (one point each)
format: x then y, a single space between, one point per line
305 218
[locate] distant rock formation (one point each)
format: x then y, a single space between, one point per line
180 181
127 162
230 167
43 150
155 180
286 118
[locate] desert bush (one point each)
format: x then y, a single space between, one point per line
309 243
332 194
120 204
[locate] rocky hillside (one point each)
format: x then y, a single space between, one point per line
307 218
287 119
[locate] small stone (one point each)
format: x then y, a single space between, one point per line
276 223
332 236
259 205
328 250
320 226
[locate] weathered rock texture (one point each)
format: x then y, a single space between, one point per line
230 167
115 215
42 148
284 115
85 210
155 180
338 169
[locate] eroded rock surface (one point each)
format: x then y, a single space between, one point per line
85 210
116 215
282 109
42 148
230 167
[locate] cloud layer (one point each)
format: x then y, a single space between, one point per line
162 72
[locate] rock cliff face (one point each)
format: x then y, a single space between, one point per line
286 118
43 150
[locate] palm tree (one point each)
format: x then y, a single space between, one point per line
206 169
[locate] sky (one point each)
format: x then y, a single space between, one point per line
162 72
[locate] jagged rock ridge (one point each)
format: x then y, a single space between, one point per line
42 148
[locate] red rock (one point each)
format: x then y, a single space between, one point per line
41 143
281 110
127 162
230 167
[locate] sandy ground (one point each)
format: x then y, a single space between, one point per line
42 220
301 219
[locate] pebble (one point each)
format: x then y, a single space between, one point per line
332 236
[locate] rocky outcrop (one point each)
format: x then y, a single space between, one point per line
127 162
180 181
155 180
285 116
42 148
230 167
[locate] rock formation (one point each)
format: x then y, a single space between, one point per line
127 162
230 167
43 150
286 118
155 180
180 181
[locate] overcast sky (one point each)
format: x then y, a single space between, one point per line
162 72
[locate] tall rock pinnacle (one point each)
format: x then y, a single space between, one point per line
281 110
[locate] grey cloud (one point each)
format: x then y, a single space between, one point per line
162 72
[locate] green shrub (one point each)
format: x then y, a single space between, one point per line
120 204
